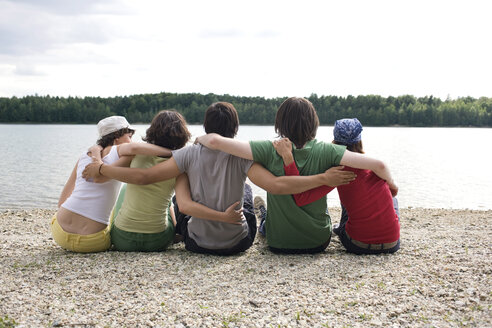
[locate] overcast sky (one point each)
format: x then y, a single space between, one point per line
246 48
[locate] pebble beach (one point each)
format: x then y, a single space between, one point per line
441 277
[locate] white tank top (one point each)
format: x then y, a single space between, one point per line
94 200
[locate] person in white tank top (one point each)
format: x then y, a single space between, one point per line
82 220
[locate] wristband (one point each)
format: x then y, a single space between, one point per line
100 169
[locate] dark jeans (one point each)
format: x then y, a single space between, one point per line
241 246
314 250
350 247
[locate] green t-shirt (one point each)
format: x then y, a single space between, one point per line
288 225
145 207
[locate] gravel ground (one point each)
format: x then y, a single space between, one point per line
441 277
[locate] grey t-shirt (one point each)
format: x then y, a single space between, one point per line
216 181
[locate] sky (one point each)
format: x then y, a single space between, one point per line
246 48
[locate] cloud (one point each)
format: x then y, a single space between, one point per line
28 70
221 33
30 27
71 7
268 34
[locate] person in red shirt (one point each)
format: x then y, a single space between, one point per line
370 218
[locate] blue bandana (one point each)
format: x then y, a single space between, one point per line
347 131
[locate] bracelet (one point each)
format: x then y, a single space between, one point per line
100 169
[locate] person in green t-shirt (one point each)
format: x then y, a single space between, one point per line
289 228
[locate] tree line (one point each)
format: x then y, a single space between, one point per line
371 110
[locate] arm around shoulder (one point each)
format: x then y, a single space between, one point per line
360 161
143 148
160 172
231 146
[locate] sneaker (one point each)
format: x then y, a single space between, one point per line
260 212
260 208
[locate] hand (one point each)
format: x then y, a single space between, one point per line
283 146
284 149
96 149
206 140
393 188
336 176
92 170
234 216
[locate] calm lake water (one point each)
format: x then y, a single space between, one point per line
433 167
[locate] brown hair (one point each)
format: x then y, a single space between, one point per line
108 139
297 120
221 117
356 147
168 129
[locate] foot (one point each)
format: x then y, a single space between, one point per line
260 212
260 208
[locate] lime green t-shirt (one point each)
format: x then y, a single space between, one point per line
288 225
145 207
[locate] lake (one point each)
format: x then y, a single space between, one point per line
433 167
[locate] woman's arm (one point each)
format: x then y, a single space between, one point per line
160 172
189 207
227 145
360 161
69 186
308 196
285 185
95 153
143 148
340 177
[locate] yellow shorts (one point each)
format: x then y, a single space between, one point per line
96 242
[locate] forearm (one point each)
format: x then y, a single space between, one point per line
295 184
192 208
231 146
125 174
360 161
282 185
160 172
384 173
189 207
143 148
307 196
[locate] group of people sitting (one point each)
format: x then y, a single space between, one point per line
212 210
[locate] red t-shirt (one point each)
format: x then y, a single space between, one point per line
369 205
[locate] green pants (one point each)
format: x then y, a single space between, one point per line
127 241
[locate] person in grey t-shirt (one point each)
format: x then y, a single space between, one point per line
216 180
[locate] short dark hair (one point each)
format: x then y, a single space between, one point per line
108 139
168 129
221 117
297 120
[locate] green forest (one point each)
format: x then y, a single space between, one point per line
371 110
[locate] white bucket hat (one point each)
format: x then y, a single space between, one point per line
112 124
